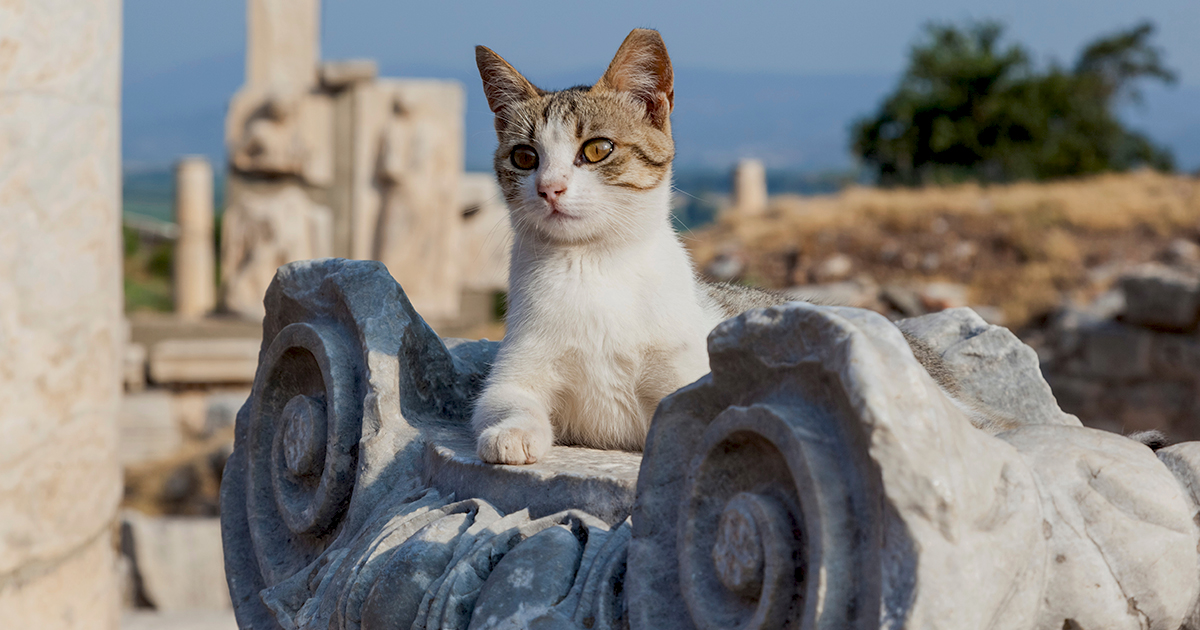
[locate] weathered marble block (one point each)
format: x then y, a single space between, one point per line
175 561
1157 296
817 478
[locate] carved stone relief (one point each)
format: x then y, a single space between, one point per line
271 133
407 199
487 237
263 230
817 478
382 159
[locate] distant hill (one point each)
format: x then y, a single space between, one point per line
797 123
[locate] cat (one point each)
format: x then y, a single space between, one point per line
606 314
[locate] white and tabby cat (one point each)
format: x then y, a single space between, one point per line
606 315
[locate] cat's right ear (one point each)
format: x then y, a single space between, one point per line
502 84
642 69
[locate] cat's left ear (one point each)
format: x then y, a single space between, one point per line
502 84
643 69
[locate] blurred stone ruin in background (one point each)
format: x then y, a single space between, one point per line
325 159
1100 275
1130 360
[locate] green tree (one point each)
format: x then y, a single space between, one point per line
969 107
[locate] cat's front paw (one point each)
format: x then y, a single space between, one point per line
512 442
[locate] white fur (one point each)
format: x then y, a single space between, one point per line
605 316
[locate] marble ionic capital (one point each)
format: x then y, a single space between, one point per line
817 478
353 499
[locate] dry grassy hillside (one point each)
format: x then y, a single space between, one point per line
1022 247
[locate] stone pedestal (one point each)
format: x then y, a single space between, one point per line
749 188
203 361
195 271
61 332
817 478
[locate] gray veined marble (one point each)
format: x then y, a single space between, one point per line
817 478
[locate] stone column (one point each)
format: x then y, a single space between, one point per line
195 286
60 312
749 188
279 132
282 43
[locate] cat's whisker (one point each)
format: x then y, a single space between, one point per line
677 189
492 238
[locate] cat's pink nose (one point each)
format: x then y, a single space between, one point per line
551 190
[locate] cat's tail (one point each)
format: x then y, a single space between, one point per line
1153 438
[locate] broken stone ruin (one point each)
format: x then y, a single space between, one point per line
1131 358
327 159
817 478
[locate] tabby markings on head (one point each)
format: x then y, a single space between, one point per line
576 153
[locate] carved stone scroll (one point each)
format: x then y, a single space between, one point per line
352 499
817 478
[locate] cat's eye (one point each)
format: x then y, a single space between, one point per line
597 149
524 157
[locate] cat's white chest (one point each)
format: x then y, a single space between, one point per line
616 306
618 336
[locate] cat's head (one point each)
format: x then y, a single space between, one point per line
586 163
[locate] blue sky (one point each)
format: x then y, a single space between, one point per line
781 79
553 37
